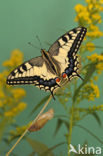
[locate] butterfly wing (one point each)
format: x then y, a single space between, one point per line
64 51
34 72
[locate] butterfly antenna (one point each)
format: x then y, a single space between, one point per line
47 43
37 37
33 45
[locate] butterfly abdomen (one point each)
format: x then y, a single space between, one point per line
51 63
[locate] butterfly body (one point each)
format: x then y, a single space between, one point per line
51 63
57 65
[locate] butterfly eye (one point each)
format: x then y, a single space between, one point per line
64 75
57 79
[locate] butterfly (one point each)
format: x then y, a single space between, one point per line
57 65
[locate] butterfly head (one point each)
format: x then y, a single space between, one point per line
43 51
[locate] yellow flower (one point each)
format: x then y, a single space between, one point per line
9 114
18 93
79 8
14 111
91 97
99 66
100 107
88 1
94 32
99 72
3 77
90 46
16 59
100 57
89 14
2 95
90 6
21 106
98 7
95 78
101 1
82 15
1 103
96 17
95 90
21 129
95 57
90 91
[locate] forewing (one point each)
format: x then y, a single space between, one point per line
65 48
35 72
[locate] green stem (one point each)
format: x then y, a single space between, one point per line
70 129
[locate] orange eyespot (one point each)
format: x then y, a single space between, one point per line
57 79
64 75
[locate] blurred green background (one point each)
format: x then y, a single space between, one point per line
20 22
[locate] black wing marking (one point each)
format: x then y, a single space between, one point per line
34 72
64 51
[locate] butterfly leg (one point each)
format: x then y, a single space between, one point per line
52 94
80 77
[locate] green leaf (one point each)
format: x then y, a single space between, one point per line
52 148
39 104
97 118
91 133
59 124
39 147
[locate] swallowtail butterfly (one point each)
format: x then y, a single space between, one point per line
56 65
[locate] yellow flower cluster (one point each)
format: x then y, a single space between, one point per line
99 59
14 111
95 57
94 32
1 103
82 15
95 92
10 97
89 16
18 93
96 5
90 92
99 67
16 59
2 94
3 77
95 78
90 46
